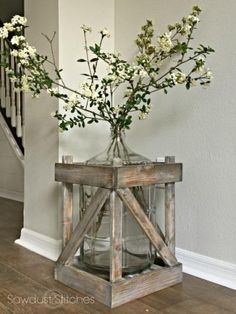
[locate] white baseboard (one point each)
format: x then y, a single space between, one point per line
12 195
40 244
214 270
211 269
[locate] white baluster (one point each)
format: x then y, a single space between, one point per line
18 115
3 100
7 80
23 120
18 110
13 98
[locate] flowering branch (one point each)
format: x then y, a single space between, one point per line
93 101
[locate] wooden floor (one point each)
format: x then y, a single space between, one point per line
27 284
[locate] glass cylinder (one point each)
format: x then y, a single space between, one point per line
137 251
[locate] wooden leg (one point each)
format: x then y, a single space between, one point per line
116 237
83 226
67 224
170 211
132 204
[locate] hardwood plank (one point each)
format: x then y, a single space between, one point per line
138 213
209 298
83 226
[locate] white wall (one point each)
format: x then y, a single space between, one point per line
42 213
82 143
196 126
41 132
11 171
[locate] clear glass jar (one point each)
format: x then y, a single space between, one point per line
137 251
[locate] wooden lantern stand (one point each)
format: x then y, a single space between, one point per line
115 183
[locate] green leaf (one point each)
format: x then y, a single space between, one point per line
81 60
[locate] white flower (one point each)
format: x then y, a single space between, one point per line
52 91
117 109
88 90
9 71
31 51
178 77
52 114
3 32
186 28
128 92
73 100
200 62
14 53
165 42
143 115
86 28
192 19
143 73
209 74
25 84
17 39
110 78
23 54
104 32
24 62
13 78
18 20
9 27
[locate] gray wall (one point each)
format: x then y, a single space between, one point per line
11 171
41 131
8 8
197 126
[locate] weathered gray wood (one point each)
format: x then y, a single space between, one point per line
132 204
150 174
144 284
116 237
83 226
100 176
119 176
170 211
85 282
122 291
67 190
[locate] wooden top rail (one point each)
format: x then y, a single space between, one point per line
113 177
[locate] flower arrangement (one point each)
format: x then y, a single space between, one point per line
157 66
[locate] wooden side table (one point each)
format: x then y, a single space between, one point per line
115 183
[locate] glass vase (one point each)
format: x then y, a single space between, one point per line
137 251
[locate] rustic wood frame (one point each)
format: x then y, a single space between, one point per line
114 183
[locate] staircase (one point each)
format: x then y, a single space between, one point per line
11 106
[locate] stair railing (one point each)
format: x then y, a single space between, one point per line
11 102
